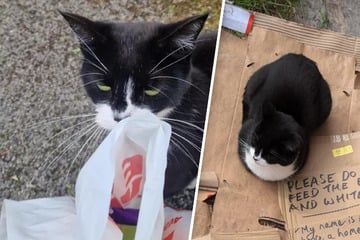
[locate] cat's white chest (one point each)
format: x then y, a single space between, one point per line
264 170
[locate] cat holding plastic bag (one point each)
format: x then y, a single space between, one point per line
165 68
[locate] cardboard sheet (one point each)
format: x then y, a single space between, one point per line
323 200
241 197
320 38
217 134
218 131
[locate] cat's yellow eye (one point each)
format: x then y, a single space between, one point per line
151 92
103 87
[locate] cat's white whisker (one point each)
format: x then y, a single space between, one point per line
86 144
71 83
49 163
71 80
162 93
58 119
183 149
174 62
186 125
183 122
167 56
98 137
94 81
61 132
91 52
95 65
71 127
90 73
190 114
242 142
70 145
188 133
188 141
102 131
76 135
182 80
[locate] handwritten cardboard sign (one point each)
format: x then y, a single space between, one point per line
323 201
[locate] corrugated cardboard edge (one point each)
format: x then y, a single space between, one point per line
324 39
271 234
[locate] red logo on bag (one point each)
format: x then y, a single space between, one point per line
170 236
171 222
168 224
132 170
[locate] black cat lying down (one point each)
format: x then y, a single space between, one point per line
283 103
165 68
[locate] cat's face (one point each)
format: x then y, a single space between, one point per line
132 66
272 147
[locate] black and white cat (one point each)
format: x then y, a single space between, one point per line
165 68
283 103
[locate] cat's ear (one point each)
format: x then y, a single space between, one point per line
183 33
85 29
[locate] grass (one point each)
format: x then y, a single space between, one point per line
285 9
324 20
178 10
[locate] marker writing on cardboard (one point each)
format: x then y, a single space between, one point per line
322 190
302 193
334 229
307 233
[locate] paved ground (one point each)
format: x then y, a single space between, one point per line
39 82
337 15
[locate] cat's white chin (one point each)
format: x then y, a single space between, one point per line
105 116
266 171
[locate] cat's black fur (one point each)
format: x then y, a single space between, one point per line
283 103
133 50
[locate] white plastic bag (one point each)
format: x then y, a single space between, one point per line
38 219
142 135
44 219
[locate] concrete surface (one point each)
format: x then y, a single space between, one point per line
343 15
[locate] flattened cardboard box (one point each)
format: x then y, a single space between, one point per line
322 201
